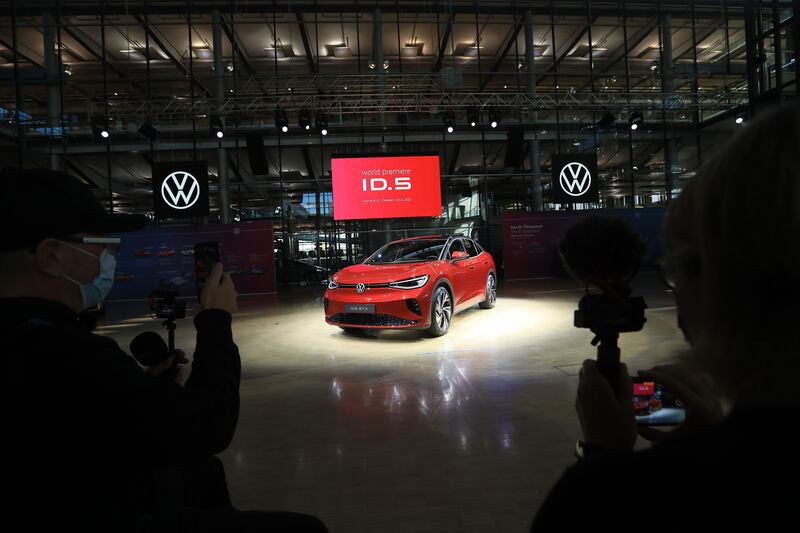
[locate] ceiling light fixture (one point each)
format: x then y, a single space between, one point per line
304 119
281 120
322 123
215 125
635 120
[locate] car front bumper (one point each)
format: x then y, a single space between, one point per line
394 308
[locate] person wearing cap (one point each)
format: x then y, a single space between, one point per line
95 442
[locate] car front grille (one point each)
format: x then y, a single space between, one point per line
363 319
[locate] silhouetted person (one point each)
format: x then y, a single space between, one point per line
732 255
93 442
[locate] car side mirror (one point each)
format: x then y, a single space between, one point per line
458 255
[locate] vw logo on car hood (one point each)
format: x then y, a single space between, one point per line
360 288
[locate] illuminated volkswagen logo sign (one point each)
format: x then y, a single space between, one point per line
360 288
575 179
180 190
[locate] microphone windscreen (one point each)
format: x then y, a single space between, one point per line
602 247
149 348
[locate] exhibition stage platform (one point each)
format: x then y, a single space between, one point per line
400 432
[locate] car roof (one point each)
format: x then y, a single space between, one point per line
421 237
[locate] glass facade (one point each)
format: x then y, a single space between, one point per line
569 77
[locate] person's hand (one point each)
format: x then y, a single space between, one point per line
695 390
607 419
219 292
169 362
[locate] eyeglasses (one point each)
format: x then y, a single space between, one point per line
668 271
685 261
110 244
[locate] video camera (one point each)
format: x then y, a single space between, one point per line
149 348
605 252
164 303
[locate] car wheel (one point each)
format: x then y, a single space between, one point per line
441 312
491 292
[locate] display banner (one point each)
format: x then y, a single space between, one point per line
575 179
530 240
381 186
163 258
180 190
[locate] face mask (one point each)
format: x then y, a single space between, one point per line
94 292
683 329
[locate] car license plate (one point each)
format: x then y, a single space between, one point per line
368 309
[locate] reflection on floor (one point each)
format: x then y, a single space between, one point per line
399 432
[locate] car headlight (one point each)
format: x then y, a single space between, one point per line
332 284
410 283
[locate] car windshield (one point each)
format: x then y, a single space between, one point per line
408 252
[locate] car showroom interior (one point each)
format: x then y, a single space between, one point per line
396 253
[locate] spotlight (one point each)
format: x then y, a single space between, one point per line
67 70
740 118
149 131
322 123
281 120
654 65
371 64
494 118
606 121
304 119
100 128
635 120
215 125
449 122
473 117
229 66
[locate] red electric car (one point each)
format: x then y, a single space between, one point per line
416 283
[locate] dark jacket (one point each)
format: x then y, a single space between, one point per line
741 475
85 427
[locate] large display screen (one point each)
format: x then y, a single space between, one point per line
383 186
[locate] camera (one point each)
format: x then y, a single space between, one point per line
165 305
600 312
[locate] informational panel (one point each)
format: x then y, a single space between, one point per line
530 240
180 190
163 258
575 179
379 186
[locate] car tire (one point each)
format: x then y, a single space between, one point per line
490 298
441 311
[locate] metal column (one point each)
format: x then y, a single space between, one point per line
377 54
536 167
219 97
53 79
666 88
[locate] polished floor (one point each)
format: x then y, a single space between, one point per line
400 432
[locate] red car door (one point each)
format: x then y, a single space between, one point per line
476 271
459 272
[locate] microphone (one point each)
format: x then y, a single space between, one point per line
603 251
606 252
149 348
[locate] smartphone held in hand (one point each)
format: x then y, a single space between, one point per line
206 255
654 405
